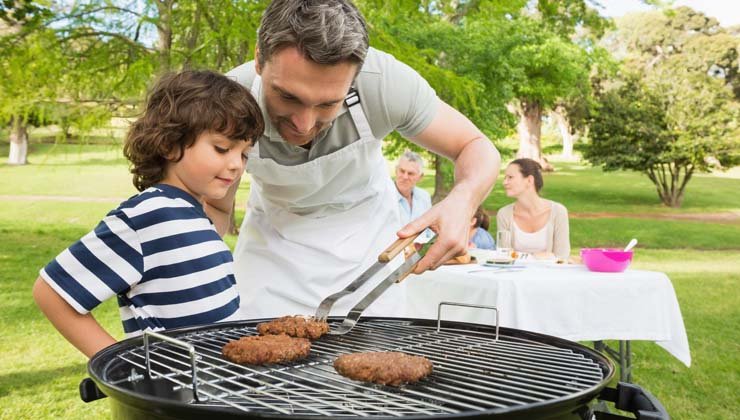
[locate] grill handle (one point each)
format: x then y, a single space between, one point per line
89 391
467 305
179 343
632 398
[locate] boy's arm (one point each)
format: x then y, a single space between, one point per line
83 331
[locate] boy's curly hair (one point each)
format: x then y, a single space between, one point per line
179 108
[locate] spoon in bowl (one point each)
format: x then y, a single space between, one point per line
630 245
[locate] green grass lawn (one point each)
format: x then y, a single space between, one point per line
40 371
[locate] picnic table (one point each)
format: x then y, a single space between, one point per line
566 301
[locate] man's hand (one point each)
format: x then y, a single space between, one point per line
450 220
477 162
219 211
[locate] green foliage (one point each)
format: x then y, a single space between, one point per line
628 129
546 67
29 75
674 111
564 17
93 59
23 12
680 39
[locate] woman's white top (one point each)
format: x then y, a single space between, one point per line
530 242
557 228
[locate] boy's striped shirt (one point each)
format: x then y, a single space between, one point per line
160 255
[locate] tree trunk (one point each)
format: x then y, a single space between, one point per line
442 185
164 33
669 183
18 144
530 130
565 132
192 38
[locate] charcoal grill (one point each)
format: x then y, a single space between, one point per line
479 372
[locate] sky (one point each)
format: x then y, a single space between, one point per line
727 12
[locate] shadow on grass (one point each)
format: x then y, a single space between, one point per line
38 378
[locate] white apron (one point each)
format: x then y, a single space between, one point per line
311 229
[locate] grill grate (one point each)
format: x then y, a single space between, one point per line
472 372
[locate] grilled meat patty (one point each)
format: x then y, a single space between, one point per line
294 326
385 368
261 350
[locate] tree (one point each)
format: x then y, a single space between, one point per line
29 72
552 60
571 113
684 65
106 53
547 69
667 137
449 45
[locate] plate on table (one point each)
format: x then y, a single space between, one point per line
499 261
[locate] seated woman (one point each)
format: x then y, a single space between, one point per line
537 225
479 236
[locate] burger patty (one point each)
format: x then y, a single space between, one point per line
385 368
261 350
294 326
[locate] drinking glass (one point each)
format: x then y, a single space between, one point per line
503 242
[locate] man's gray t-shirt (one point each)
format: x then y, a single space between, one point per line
393 95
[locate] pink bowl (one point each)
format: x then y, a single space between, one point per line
607 260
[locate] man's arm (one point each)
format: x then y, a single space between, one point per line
477 163
83 331
219 211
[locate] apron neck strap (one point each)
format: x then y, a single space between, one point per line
352 101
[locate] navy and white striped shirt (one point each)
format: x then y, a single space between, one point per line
160 255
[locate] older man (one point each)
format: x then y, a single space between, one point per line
412 200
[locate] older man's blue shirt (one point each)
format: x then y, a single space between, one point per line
420 203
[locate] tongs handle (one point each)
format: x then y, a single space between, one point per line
396 248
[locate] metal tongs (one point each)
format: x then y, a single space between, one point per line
395 277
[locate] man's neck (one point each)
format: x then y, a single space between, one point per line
408 195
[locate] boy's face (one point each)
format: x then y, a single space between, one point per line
209 167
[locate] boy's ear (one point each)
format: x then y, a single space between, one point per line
173 155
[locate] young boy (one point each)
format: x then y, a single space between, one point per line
158 252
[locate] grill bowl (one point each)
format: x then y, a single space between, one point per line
522 375
606 260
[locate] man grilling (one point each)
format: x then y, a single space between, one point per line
322 205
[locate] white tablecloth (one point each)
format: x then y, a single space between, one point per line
566 301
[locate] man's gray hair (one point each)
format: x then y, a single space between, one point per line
324 31
413 157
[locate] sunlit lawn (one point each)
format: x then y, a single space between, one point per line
40 372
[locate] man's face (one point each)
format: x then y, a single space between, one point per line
301 96
407 175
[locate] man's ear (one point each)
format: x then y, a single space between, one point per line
473 221
257 66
